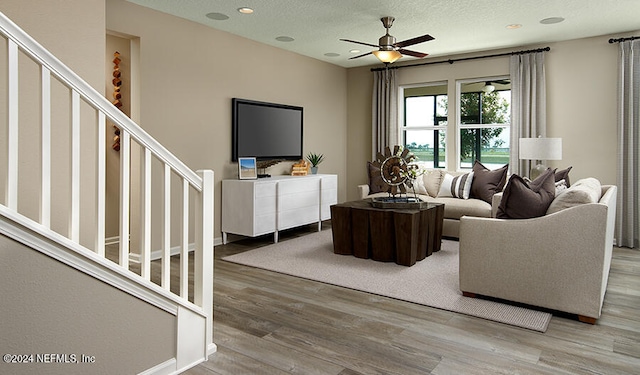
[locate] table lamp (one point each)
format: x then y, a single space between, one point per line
540 149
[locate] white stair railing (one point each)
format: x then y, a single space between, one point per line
82 95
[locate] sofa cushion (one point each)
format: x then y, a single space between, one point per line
487 182
587 190
376 183
523 201
455 208
457 187
564 175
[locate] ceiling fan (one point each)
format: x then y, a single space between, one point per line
489 86
388 49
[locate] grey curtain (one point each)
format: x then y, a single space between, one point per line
627 223
384 110
528 104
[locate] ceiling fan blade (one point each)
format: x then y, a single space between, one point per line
364 54
412 41
412 53
363 43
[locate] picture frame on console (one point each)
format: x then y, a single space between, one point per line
247 169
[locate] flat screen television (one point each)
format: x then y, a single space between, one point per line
266 131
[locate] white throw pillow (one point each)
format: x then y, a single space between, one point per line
418 186
587 190
457 187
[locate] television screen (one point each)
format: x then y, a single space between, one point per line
266 130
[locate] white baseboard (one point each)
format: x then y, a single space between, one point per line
157 254
166 367
217 241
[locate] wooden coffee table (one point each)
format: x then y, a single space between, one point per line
402 235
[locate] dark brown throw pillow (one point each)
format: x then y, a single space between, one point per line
523 201
376 183
487 182
564 175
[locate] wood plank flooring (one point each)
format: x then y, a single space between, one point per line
269 323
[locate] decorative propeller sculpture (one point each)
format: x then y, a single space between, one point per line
394 170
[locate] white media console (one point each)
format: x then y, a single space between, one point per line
267 205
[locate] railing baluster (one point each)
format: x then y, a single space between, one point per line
101 182
125 180
145 254
45 154
12 136
184 242
74 223
166 229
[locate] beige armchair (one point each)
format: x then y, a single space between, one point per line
559 261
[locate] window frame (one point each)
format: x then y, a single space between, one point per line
402 126
458 116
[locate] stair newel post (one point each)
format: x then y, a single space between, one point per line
203 262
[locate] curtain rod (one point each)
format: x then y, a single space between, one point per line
619 40
451 61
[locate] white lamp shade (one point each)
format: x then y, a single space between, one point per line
540 148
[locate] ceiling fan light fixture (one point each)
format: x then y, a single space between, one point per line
387 57
488 88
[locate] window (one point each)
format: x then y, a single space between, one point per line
484 122
425 123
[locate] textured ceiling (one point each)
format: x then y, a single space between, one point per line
458 26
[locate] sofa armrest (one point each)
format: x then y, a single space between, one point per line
559 261
363 191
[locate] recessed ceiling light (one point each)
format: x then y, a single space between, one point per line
514 26
217 16
332 54
355 51
551 20
285 39
245 10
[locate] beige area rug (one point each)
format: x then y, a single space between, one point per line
431 282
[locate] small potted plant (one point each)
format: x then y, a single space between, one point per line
315 159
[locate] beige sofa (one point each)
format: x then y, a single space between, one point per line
454 208
559 261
